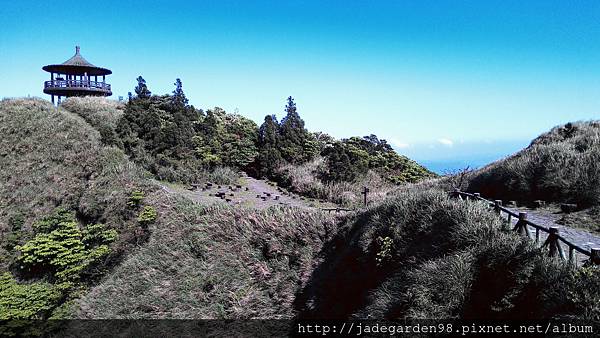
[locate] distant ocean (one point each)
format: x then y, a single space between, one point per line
453 165
444 160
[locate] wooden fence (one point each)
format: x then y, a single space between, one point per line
553 241
336 209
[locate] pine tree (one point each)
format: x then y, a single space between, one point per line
268 134
179 98
293 136
142 89
269 157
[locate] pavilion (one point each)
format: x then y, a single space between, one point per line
76 77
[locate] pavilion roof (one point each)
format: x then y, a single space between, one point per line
77 65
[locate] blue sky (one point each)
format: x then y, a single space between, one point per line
441 80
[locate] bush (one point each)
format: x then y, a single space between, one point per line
135 199
147 216
304 180
60 249
26 301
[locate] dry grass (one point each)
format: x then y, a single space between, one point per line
95 110
303 179
213 262
562 165
52 158
446 259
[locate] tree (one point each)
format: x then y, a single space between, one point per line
208 139
293 136
345 162
238 147
179 98
269 157
142 89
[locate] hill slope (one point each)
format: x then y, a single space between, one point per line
414 254
66 208
562 165
52 158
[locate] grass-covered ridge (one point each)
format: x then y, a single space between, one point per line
52 160
134 251
214 262
562 165
421 255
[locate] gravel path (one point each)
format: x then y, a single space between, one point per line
546 218
248 192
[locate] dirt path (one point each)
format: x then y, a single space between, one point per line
547 218
249 192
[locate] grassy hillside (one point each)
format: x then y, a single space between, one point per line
119 246
421 255
53 159
214 262
562 165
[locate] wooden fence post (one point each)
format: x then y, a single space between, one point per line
521 226
595 256
572 260
365 192
497 205
506 226
456 193
553 244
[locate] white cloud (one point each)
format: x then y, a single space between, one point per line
446 142
399 144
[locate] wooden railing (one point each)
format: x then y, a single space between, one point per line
329 210
554 239
77 84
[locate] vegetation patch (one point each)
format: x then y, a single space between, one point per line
562 165
213 262
421 255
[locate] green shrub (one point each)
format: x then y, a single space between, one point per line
223 175
49 223
135 199
65 251
15 235
147 216
386 245
26 301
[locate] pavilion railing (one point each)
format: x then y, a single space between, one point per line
77 84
